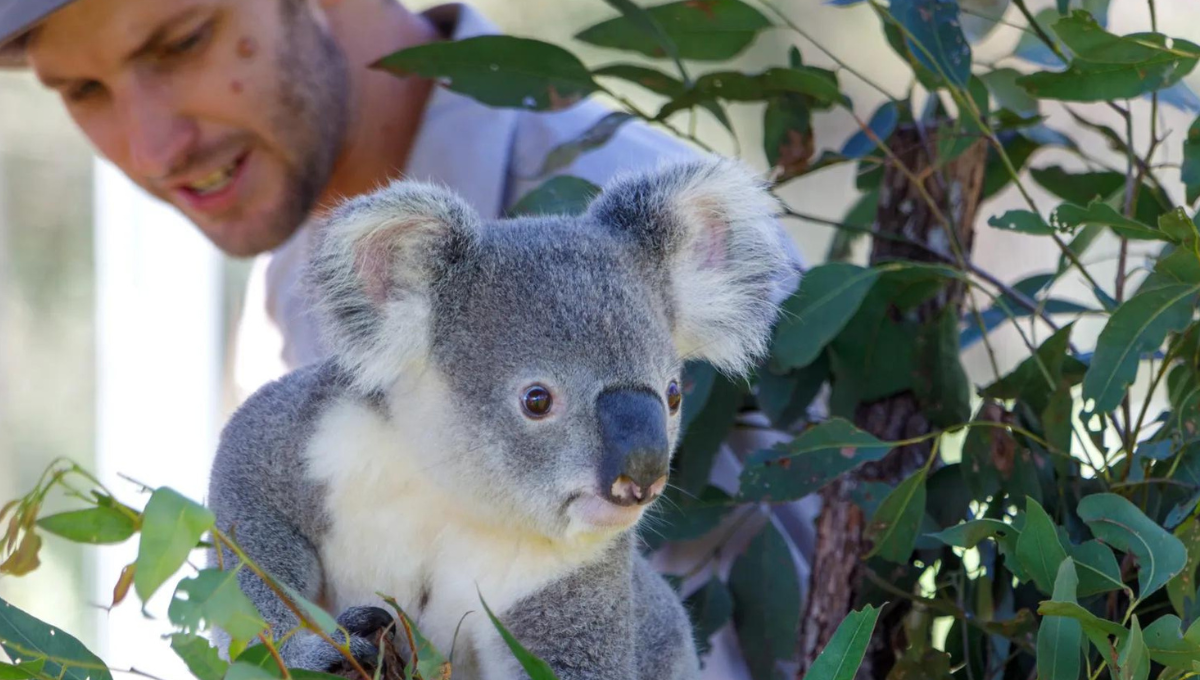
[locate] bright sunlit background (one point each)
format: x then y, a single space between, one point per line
117 319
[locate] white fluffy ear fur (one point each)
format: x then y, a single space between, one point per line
712 224
372 270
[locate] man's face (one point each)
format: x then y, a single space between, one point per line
232 110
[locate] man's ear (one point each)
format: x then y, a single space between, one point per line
372 271
711 226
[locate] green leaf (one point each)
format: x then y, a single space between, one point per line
99 525
817 83
1137 327
171 527
1086 81
828 297
321 618
709 608
939 381
26 638
1084 36
1023 221
881 125
706 430
1182 588
1059 638
1068 217
24 671
202 659
561 195
934 36
1097 568
1092 624
430 662
1039 548
893 528
713 30
1119 523
1190 172
535 667
1179 228
1133 659
499 70
842 656
1168 646
213 597
972 533
766 596
793 470
1002 84
785 398
660 83
684 517
594 137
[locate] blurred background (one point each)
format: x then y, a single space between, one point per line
117 321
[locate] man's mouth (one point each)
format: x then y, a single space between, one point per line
216 180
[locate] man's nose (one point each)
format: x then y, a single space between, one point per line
633 429
159 139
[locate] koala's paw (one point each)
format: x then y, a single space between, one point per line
368 627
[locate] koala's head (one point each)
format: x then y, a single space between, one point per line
535 362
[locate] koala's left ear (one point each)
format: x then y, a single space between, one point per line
711 225
373 270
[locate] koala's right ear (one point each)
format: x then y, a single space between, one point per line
372 272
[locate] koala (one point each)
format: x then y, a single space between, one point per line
499 409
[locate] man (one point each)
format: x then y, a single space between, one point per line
252 117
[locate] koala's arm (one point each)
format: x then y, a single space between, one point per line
262 498
613 619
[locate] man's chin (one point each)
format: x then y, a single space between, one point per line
244 237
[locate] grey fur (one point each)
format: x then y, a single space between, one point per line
410 282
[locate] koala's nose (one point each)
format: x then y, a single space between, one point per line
633 428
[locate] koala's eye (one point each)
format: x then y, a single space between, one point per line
536 401
674 396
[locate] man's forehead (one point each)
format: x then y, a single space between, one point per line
88 35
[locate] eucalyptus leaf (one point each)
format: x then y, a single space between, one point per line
1060 638
1137 327
793 470
1119 523
934 35
827 298
844 652
499 70
766 596
714 30
213 598
1039 548
24 637
171 527
893 528
561 195
98 525
709 608
535 667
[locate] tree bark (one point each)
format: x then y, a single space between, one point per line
955 188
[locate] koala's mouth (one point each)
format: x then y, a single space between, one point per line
592 511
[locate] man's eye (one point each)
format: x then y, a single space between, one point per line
188 43
83 91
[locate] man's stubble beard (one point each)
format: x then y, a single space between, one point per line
313 113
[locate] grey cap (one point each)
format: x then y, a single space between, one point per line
17 17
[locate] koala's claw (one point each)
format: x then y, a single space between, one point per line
365 621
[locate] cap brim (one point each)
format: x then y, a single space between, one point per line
17 17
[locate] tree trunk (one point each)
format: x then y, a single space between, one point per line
955 187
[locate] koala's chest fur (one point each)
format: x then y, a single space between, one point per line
393 531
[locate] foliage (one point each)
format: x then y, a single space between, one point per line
1053 531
